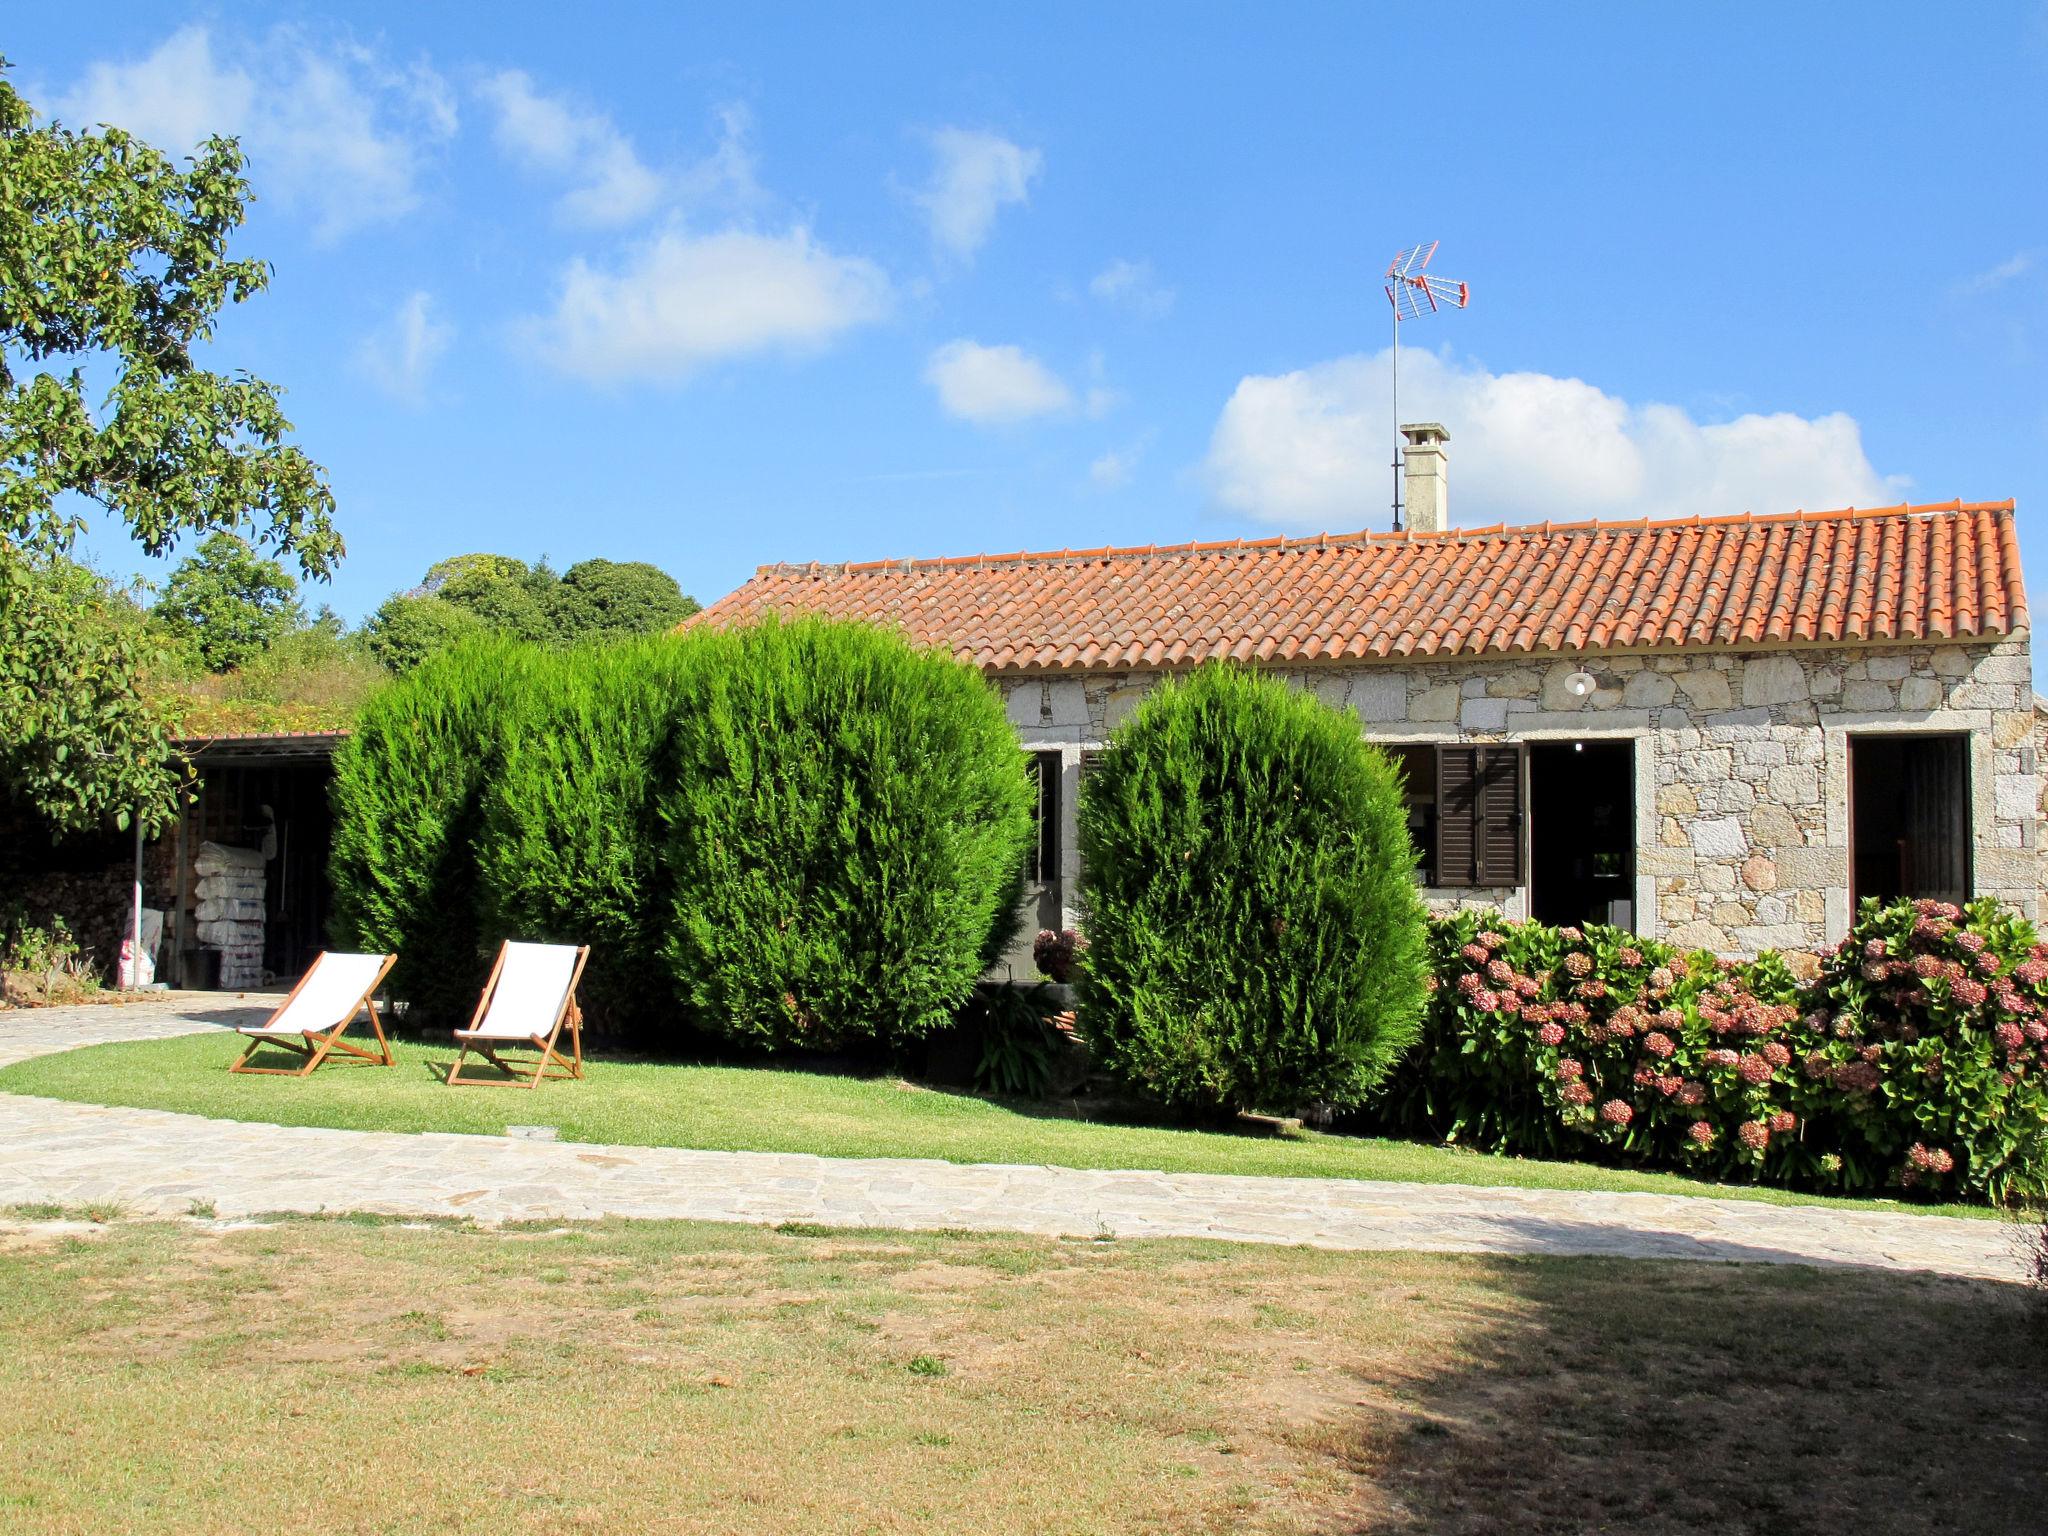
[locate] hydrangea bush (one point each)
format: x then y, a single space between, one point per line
1917 1059
1927 1035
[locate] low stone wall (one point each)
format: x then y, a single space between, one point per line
1742 833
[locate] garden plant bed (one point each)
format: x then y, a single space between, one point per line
357 1374
771 1109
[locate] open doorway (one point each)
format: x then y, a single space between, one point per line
1582 818
1909 817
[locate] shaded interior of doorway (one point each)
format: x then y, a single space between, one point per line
1582 816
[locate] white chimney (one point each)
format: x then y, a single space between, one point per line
1426 469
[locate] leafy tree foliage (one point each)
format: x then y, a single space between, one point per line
846 830
506 597
113 267
1255 938
497 594
227 603
610 597
90 747
408 629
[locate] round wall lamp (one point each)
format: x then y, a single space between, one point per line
1580 684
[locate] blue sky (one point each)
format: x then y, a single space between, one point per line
719 286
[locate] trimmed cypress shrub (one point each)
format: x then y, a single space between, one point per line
569 833
845 834
408 805
1255 940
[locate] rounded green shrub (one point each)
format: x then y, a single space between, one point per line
1928 1043
569 834
1255 940
845 834
408 804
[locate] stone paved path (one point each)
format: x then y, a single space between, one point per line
152 1162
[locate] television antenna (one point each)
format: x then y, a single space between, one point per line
1415 292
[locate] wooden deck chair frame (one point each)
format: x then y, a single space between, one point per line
551 1063
317 1045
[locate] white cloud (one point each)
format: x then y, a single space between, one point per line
612 184
1134 285
681 301
1310 450
974 175
2019 264
401 353
330 128
173 98
992 385
1115 468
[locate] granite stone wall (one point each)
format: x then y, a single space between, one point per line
1741 762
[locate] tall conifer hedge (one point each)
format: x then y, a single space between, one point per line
797 836
846 830
569 835
1255 936
408 800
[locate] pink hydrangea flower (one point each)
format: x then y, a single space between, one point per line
1569 1070
1550 1034
1777 1053
1700 1134
1478 954
1967 992
1617 1112
1658 1045
1754 1134
1629 955
1752 1068
1784 1122
1500 973
1661 979
1720 1058
1692 1095
1576 1093
1578 963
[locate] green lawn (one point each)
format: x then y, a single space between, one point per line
186 1378
766 1109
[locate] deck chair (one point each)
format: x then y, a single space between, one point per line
530 996
324 1003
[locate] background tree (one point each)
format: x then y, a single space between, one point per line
603 598
468 595
114 267
227 603
407 629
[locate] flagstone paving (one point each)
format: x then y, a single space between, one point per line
154 1163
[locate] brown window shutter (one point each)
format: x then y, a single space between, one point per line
1457 815
1500 802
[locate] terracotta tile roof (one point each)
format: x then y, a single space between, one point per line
1854 576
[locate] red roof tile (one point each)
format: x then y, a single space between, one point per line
1886 574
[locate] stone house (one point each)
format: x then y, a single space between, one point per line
1722 732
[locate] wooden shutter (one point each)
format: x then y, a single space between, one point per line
1457 815
1479 816
1500 836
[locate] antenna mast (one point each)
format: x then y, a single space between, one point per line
1414 292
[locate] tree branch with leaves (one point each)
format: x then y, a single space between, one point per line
114 269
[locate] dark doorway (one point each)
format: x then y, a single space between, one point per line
1909 817
1582 845
1043 891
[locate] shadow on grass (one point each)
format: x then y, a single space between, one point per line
1665 1397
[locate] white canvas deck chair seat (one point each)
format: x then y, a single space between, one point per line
530 997
324 1003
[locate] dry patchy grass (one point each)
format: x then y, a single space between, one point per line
377 1377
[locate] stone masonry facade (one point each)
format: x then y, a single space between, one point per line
1741 762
